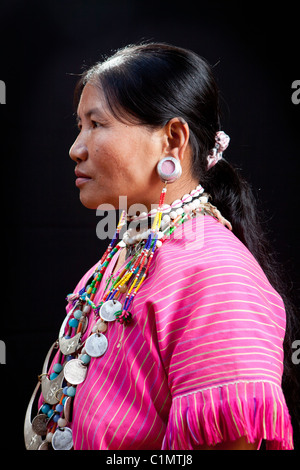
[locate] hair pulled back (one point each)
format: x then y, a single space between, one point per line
152 83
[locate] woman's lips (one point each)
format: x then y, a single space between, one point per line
80 181
81 178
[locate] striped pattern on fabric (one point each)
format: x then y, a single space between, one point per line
200 363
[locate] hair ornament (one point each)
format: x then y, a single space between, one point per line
221 143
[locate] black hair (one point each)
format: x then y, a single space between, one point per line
154 82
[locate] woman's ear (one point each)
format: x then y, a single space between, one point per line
177 135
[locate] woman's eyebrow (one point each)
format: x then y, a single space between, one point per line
89 113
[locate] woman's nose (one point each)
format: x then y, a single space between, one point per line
78 151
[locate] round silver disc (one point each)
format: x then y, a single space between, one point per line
96 345
68 409
62 439
75 371
109 308
39 424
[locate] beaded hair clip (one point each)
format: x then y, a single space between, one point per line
221 143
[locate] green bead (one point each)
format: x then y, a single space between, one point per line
73 323
57 368
71 391
77 314
85 358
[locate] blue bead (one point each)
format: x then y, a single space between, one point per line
71 391
64 399
57 368
45 408
59 408
65 390
73 323
56 418
50 413
53 376
69 357
85 358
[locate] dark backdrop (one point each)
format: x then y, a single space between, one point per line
49 240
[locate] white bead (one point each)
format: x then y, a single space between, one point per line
86 309
166 219
196 203
166 208
160 235
203 199
179 211
173 215
61 422
192 206
49 436
158 243
126 236
146 234
152 213
187 198
176 204
187 208
195 192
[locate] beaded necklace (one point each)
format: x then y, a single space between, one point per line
49 428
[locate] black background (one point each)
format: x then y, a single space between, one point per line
48 239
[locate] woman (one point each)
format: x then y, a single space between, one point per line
174 340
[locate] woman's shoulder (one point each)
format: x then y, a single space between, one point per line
203 242
209 259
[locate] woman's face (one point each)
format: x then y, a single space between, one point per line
114 158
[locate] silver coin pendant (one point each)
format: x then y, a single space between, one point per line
109 309
75 371
96 345
62 439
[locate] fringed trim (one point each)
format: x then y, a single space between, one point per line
255 410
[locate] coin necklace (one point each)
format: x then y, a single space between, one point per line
49 428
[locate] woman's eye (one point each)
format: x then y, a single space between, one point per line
95 124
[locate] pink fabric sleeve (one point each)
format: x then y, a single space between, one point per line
255 410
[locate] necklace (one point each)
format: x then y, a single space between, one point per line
50 427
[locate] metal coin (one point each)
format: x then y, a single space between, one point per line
44 445
75 371
96 345
62 439
68 409
109 308
39 425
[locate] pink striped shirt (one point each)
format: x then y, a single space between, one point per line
200 363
